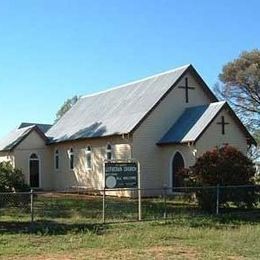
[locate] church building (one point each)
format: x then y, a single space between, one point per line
165 122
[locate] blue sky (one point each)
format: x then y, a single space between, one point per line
51 50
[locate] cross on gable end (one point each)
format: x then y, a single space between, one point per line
187 88
223 124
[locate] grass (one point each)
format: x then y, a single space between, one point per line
70 228
197 238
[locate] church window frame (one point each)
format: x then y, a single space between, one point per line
109 154
71 159
182 154
57 159
88 158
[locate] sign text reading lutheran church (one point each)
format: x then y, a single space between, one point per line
121 175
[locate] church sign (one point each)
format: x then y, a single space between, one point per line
121 174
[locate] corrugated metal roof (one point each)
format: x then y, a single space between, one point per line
115 111
43 127
191 123
15 136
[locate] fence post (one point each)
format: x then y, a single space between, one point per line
164 200
217 201
31 206
139 203
139 191
103 211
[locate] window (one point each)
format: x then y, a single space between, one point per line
88 158
57 160
71 158
109 152
34 157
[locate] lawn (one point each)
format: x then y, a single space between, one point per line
71 228
190 238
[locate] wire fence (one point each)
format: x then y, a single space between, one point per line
105 206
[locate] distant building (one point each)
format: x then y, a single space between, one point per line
165 122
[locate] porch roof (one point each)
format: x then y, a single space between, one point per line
191 123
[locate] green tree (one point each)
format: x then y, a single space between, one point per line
66 107
240 86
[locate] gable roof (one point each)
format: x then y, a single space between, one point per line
17 135
195 120
43 127
119 110
191 123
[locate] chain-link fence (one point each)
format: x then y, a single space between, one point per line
99 206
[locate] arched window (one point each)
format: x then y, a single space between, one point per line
71 158
88 158
177 165
33 156
57 159
109 152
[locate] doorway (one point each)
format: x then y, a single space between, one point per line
34 171
177 165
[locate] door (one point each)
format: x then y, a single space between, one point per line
34 167
177 164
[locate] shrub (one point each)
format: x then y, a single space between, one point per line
223 166
11 180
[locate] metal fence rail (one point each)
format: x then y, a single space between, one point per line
99 206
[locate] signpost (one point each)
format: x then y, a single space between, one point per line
120 175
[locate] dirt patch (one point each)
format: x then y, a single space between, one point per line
70 195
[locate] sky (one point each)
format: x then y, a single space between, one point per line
51 50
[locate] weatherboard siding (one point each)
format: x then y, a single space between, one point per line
168 152
33 143
155 160
213 137
80 176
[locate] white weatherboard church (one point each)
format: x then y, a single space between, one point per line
164 121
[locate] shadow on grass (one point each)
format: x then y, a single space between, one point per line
62 214
50 228
221 221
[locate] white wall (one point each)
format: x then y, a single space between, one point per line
33 143
155 160
80 176
213 135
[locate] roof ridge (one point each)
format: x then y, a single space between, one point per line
135 81
27 124
23 128
218 102
207 105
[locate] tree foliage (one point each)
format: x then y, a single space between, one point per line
222 166
11 179
240 80
66 107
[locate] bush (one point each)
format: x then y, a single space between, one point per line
11 180
223 166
